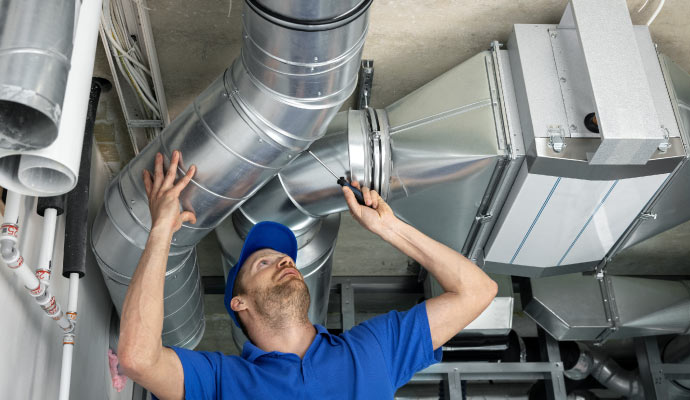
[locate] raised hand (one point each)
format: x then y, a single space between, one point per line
164 194
376 215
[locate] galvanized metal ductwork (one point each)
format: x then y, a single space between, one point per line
582 307
422 154
294 73
438 156
35 51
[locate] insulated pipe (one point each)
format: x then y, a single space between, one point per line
272 103
76 224
54 170
35 49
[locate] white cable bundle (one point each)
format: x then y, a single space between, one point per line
128 56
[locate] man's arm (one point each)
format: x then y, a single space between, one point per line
468 290
141 353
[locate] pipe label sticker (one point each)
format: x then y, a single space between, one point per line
9 230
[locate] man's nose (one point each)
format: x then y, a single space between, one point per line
286 262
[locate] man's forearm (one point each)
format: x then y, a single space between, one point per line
142 312
454 272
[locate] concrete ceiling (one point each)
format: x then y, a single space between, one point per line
411 42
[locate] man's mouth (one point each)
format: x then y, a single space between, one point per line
288 271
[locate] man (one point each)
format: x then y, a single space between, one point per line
287 356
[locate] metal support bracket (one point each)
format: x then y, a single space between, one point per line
555 387
610 308
347 305
365 84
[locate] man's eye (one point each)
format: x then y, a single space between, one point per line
264 262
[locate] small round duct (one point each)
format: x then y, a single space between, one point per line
47 163
35 50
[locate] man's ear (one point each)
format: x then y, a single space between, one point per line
237 304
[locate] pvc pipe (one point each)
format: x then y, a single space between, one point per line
68 341
12 207
54 170
45 253
66 371
73 293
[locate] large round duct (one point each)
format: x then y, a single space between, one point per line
35 50
315 239
271 104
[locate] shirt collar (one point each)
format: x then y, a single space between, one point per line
250 352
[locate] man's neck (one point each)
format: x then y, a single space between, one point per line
290 338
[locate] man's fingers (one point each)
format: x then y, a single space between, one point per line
375 199
355 184
148 184
172 170
182 183
351 201
188 216
157 173
366 193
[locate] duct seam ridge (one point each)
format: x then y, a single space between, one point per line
295 202
309 103
220 142
35 50
338 61
23 95
442 115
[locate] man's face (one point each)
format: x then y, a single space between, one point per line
272 284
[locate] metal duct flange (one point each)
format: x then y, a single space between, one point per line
312 12
35 51
253 120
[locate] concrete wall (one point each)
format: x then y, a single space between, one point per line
31 344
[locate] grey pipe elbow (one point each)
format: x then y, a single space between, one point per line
607 372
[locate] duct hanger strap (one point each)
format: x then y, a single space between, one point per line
305 24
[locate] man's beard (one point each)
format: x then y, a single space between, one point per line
284 303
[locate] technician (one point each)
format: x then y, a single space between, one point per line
288 357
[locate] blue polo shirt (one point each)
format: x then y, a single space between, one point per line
370 361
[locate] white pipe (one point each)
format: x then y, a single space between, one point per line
68 341
54 170
8 244
12 207
73 292
66 371
45 253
